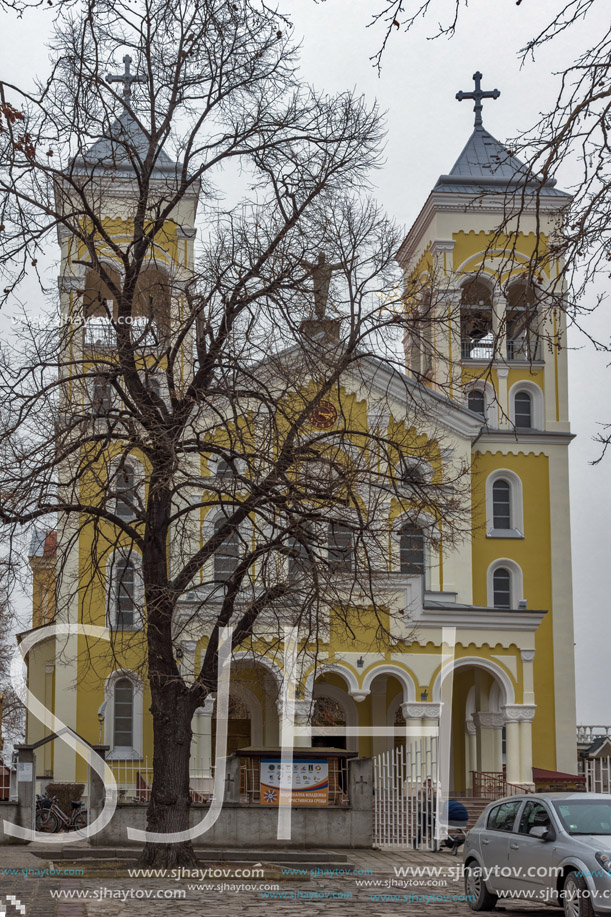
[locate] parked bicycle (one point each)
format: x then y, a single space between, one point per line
50 818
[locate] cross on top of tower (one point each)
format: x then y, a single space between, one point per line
478 94
127 78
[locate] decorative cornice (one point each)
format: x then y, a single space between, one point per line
185 232
420 711
488 719
491 619
207 708
519 713
537 437
71 283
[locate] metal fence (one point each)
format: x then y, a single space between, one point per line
405 795
135 780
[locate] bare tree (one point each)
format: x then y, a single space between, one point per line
12 712
199 426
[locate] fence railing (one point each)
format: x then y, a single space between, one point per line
493 785
524 349
477 350
135 780
587 734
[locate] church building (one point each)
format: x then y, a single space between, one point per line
485 625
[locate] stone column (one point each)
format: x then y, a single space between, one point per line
97 793
526 753
26 788
499 324
423 718
303 721
512 771
470 752
379 716
489 727
201 743
519 742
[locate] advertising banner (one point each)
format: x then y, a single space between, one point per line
307 781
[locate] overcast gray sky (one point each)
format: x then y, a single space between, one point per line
427 129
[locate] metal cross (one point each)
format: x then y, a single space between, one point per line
478 94
127 78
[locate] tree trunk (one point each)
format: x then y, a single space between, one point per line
170 802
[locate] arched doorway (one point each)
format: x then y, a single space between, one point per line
328 712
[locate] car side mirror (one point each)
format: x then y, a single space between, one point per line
543 832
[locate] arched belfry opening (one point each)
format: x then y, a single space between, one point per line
100 307
476 330
150 314
522 322
151 306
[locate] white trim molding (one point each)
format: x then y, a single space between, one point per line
517 581
491 403
123 753
112 594
477 662
421 710
537 404
519 713
516 505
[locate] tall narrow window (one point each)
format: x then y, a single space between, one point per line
123 719
126 605
340 547
523 410
101 395
227 554
299 560
411 550
125 492
224 469
477 402
501 504
501 583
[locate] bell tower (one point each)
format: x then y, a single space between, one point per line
484 296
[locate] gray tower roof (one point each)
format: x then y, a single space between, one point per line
123 146
486 165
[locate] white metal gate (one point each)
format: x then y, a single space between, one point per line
405 795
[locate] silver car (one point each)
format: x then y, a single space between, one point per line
551 847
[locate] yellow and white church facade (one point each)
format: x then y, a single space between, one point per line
498 389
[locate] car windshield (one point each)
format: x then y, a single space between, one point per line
585 816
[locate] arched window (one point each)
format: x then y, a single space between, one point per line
227 554
476 321
340 547
415 471
501 584
501 504
477 402
125 593
299 559
411 550
224 469
523 410
154 385
101 394
123 714
125 487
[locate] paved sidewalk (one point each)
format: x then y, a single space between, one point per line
372 889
